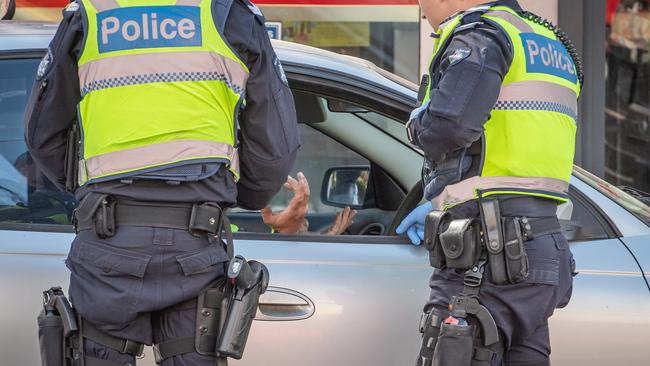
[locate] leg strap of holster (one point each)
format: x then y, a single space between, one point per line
119 344
208 322
544 362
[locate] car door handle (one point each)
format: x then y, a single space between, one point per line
283 304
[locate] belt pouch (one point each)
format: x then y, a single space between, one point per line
455 346
493 234
515 254
461 244
432 226
50 337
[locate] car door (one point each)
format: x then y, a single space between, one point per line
347 299
607 320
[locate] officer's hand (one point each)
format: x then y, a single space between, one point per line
292 219
413 223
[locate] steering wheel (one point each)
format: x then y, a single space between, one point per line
408 204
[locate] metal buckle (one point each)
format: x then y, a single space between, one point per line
157 356
133 348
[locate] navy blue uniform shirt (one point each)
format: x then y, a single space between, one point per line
463 93
269 137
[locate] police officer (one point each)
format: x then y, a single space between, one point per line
183 110
497 127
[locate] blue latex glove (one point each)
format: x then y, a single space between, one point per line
413 223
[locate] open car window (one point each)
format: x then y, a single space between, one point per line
26 195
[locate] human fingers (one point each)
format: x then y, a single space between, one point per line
267 215
413 236
304 183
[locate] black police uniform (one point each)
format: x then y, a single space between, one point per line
453 121
120 284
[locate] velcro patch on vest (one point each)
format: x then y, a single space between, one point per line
141 27
548 56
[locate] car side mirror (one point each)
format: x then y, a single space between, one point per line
345 186
7 9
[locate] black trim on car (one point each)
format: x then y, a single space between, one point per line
29 53
49 228
329 239
603 219
308 238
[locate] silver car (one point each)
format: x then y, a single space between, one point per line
352 299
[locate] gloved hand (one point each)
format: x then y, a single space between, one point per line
413 223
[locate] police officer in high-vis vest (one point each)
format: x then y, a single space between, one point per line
181 109
497 126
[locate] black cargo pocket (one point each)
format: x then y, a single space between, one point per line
205 260
106 278
200 268
544 260
455 346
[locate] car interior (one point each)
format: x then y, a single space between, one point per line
354 154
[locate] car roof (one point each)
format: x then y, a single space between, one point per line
25 36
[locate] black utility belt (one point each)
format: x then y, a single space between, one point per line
104 214
461 243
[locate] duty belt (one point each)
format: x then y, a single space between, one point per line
104 214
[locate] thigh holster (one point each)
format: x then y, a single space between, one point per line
430 328
62 332
225 313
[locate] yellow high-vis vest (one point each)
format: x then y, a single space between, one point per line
160 88
529 140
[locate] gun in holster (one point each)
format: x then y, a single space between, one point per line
57 324
72 158
249 280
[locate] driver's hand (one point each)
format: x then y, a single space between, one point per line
291 220
342 222
413 223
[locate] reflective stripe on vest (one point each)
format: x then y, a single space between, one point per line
470 189
529 140
173 152
160 89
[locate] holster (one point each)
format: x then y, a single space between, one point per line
434 223
430 329
455 345
225 313
56 324
251 280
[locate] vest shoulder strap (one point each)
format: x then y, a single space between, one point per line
255 10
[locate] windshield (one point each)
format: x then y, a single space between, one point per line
627 201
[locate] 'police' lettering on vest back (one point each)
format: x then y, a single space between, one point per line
148 27
548 56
